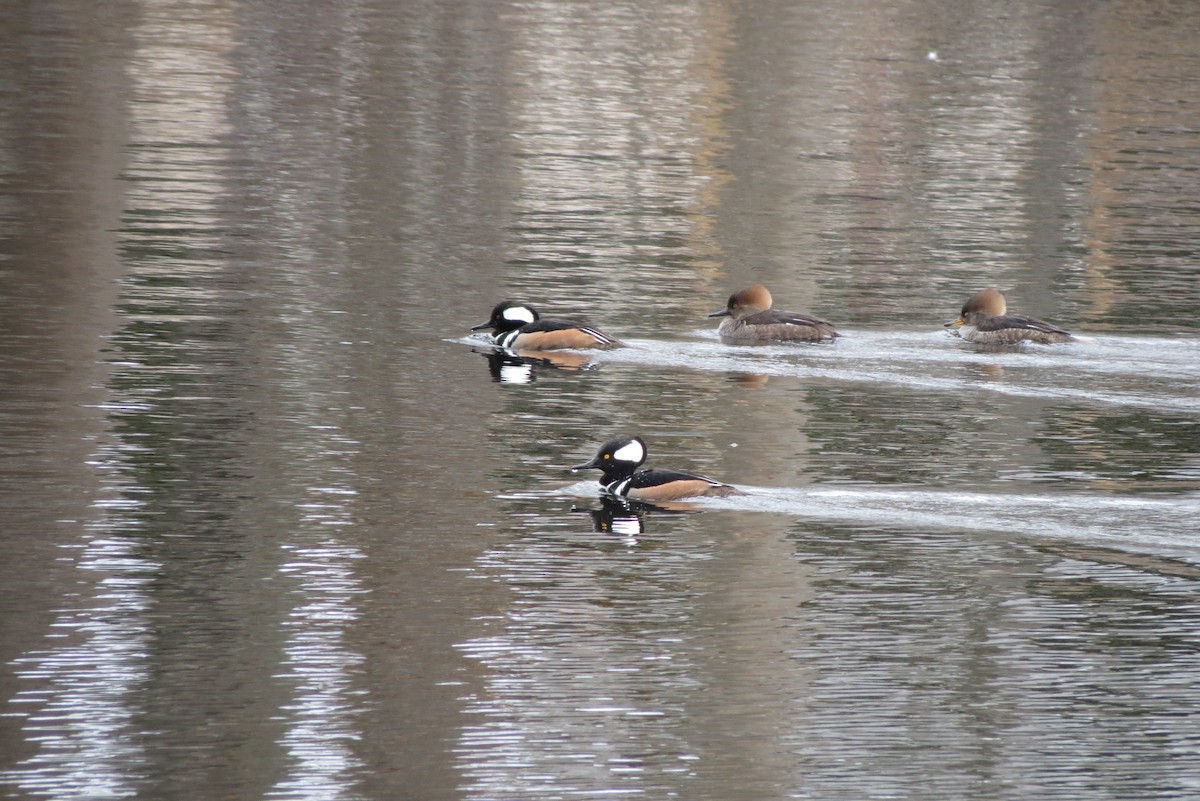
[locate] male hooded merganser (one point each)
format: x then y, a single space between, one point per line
619 460
520 327
983 320
751 319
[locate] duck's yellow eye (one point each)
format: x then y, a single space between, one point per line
607 456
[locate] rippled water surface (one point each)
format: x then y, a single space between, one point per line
276 525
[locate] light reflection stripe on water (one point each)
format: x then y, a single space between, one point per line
88 742
320 720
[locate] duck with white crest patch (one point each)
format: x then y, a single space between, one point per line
518 326
619 460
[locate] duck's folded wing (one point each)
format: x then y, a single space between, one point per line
566 334
664 485
1010 321
773 317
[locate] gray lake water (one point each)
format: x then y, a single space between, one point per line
276 526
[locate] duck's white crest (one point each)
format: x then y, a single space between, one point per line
518 314
633 452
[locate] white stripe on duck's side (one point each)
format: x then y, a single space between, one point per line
600 336
619 487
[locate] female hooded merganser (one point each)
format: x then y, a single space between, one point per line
751 319
983 320
519 327
619 460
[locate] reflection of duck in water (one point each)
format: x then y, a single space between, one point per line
750 318
618 515
507 367
619 460
983 320
519 327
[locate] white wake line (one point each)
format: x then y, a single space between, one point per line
1150 525
771 361
845 362
1158 358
